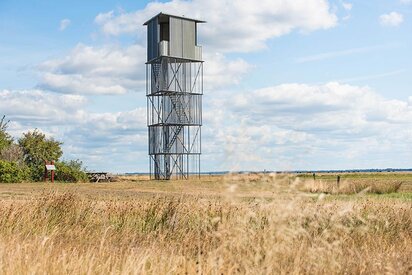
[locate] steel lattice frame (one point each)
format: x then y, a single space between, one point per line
174 89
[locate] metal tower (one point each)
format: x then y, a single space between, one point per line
174 89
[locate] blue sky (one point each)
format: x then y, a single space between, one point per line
305 84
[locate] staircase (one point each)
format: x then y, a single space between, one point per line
179 109
156 75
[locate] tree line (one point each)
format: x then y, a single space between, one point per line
23 159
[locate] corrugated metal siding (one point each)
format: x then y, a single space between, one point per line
176 45
198 53
182 42
152 39
164 48
188 39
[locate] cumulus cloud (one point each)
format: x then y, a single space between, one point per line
392 19
299 126
117 70
39 107
289 126
232 26
220 72
64 24
96 70
102 140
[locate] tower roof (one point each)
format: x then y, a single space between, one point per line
162 15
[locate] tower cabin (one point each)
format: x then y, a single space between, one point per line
173 36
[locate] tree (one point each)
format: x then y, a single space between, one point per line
37 148
13 153
5 139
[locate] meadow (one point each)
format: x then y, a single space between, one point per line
232 224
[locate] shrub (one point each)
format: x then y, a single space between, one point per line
36 172
11 172
70 171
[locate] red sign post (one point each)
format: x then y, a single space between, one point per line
49 167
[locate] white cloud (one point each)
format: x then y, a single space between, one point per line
347 6
101 140
36 106
289 126
299 126
102 18
406 1
392 19
221 72
118 70
90 70
115 70
64 24
232 26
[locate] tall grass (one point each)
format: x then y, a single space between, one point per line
352 186
68 233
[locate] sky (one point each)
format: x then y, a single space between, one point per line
288 85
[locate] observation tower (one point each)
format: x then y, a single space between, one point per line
174 89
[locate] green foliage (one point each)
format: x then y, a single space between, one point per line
5 139
36 172
37 148
25 160
70 171
11 172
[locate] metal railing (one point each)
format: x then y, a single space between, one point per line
164 50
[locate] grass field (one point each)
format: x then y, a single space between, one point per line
259 224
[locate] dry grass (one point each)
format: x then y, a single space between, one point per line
240 224
373 186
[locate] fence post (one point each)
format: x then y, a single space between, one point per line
52 173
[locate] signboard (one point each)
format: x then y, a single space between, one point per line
50 167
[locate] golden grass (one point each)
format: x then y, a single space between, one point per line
352 186
257 224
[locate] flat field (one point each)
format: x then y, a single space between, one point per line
257 223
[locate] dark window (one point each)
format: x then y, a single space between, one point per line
164 32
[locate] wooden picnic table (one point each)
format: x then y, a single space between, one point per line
99 176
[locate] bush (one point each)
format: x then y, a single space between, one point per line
36 172
11 172
70 171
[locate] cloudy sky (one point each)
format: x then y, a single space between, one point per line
303 84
